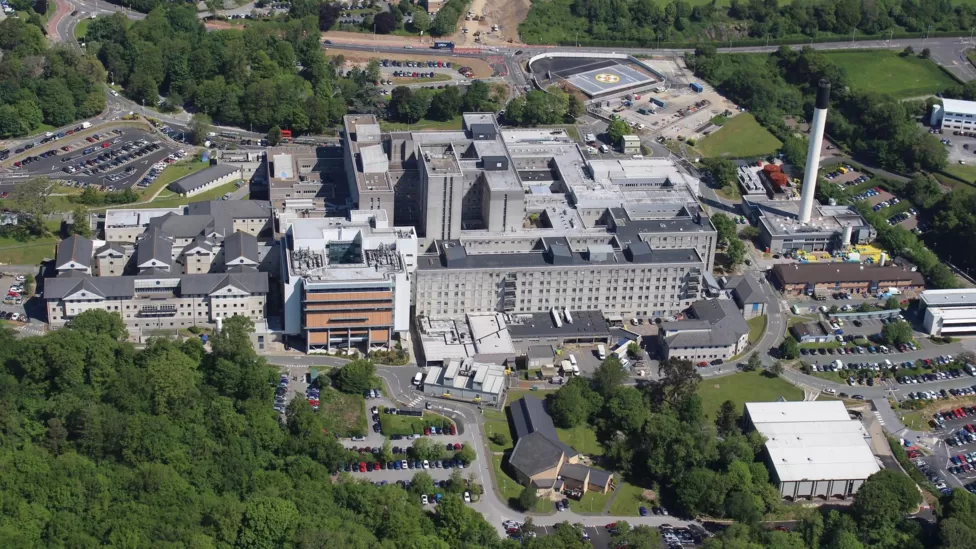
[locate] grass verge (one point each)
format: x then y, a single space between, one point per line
167 199
409 425
172 173
741 136
509 488
757 327
582 438
343 414
628 501
592 503
744 387
889 72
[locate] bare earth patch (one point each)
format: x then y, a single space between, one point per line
480 67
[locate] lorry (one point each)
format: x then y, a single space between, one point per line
659 102
440 45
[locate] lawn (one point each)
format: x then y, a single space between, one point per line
343 414
628 501
592 502
169 199
408 425
757 327
509 488
81 29
438 77
582 438
888 72
917 420
744 387
422 124
172 173
740 137
32 252
497 422
966 173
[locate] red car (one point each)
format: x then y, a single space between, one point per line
453 430
362 466
65 148
4 194
457 446
105 145
69 132
611 526
427 431
702 364
90 139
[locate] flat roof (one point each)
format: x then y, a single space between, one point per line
823 463
796 412
539 325
936 298
958 106
490 333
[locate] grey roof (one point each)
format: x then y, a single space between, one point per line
183 226
239 247
719 324
111 246
823 273
200 241
156 247
588 324
534 453
557 252
599 477
196 180
529 416
746 289
224 212
124 286
541 351
574 471
75 248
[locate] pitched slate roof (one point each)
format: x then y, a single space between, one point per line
534 453
199 241
124 286
183 226
747 289
203 177
111 246
74 248
240 246
543 447
156 247
719 324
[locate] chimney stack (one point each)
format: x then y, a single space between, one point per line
813 153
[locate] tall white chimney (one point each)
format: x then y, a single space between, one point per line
813 153
846 239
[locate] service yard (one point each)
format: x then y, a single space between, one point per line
479 67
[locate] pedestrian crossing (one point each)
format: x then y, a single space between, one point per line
413 403
31 330
880 419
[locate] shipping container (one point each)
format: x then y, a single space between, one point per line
443 45
697 87
659 102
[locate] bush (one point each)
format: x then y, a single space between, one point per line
195 330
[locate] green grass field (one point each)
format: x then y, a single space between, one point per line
32 252
343 414
592 503
629 500
966 173
740 137
888 72
409 425
438 77
81 29
172 173
509 488
582 438
169 199
744 387
422 124
757 327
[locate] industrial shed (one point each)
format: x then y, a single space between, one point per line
813 449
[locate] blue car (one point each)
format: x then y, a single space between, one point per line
396 465
643 511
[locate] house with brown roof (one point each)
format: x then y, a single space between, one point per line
853 278
544 462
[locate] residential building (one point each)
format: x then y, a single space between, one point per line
346 281
542 461
182 271
954 114
748 294
206 179
853 278
813 449
949 312
715 330
467 380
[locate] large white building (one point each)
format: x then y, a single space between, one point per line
813 449
954 114
949 312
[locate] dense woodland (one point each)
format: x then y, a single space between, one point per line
268 74
647 22
41 84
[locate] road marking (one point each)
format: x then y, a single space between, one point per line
880 419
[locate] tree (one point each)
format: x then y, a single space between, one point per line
892 303
626 411
421 20
445 104
776 369
29 284
200 128
749 233
501 438
925 53
572 403
385 22
31 197
425 448
575 108
727 418
908 51
616 131
528 498
466 454
267 522
98 322
80 224
884 498
678 379
722 170
789 348
609 375
634 350
735 253
897 333
754 363
725 228
422 483
274 135
354 377
329 13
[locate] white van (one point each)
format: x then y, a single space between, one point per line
572 360
601 351
604 149
418 378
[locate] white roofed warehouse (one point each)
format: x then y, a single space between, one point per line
813 449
